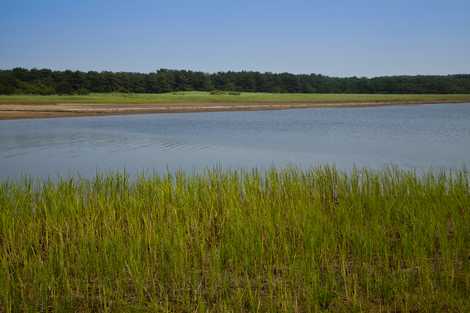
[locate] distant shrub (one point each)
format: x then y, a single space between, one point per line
64 88
7 90
36 89
217 92
83 91
221 92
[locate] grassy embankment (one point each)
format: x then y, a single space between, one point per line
30 106
238 241
244 97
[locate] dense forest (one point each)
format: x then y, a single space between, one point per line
45 82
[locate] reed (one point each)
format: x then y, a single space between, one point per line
282 240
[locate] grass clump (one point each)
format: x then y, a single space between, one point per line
288 240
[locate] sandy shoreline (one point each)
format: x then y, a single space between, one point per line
21 111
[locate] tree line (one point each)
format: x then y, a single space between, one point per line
47 82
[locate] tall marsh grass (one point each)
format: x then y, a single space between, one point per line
238 241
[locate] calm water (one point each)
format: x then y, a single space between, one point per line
410 136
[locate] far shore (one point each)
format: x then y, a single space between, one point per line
23 111
20 107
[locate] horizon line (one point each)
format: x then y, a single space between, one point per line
230 71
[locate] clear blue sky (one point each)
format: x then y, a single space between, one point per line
341 38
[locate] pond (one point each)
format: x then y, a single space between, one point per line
415 137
